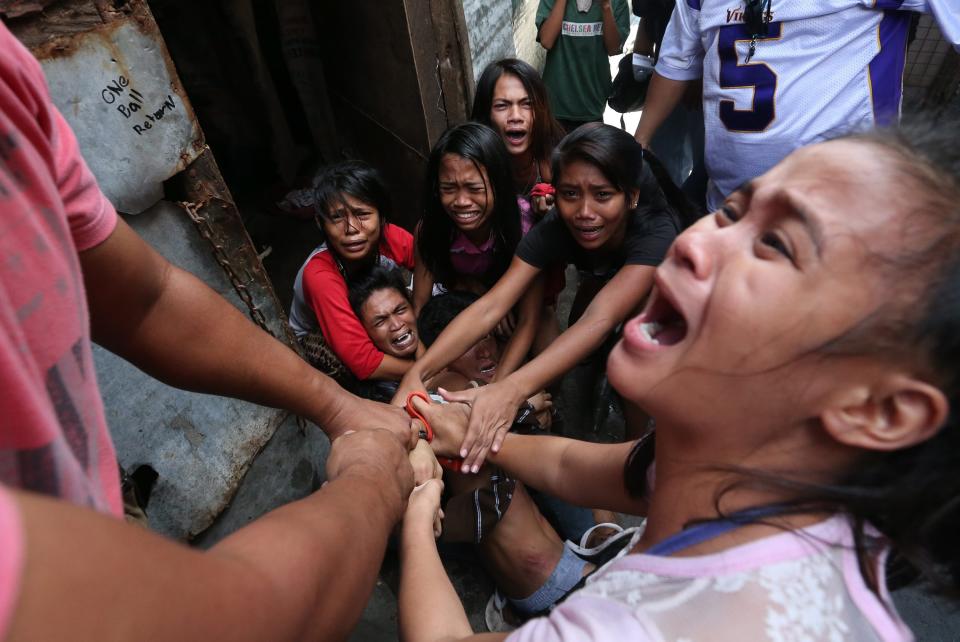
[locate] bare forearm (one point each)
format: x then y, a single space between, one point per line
466 329
391 368
422 286
174 327
662 97
567 350
582 473
270 580
219 351
518 347
642 44
430 609
550 29
298 546
611 34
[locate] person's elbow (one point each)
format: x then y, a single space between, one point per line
546 40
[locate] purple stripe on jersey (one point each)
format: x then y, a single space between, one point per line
886 68
887 4
695 4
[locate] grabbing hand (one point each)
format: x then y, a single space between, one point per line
449 423
363 414
542 199
424 506
492 409
542 403
542 205
505 327
376 456
424 462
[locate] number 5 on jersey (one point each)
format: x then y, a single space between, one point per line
755 75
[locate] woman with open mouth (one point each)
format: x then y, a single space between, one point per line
352 211
470 228
800 353
614 223
512 99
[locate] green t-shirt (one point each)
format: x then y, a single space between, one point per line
577 72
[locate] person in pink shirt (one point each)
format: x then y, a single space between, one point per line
800 354
74 271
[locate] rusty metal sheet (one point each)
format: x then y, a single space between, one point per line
117 88
17 8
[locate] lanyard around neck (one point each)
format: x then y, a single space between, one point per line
699 533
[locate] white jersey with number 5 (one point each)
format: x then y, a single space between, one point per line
825 67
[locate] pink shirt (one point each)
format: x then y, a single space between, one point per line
471 259
802 585
54 436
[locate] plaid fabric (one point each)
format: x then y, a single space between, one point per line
321 357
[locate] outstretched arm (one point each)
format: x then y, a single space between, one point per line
391 368
470 326
579 472
172 326
422 283
663 96
518 347
283 577
494 406
430 610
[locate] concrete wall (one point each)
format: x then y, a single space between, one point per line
525 33
502 29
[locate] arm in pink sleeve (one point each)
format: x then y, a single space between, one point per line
91 216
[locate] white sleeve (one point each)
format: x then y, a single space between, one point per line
945 12
947 15
681 53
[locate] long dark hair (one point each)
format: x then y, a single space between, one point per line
626 165
483 147
546 130
912 495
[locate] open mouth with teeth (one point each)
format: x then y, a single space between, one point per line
515 136
589 232
662 324
466 217
487 370
404 340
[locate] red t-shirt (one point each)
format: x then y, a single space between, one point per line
325 293
53 432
